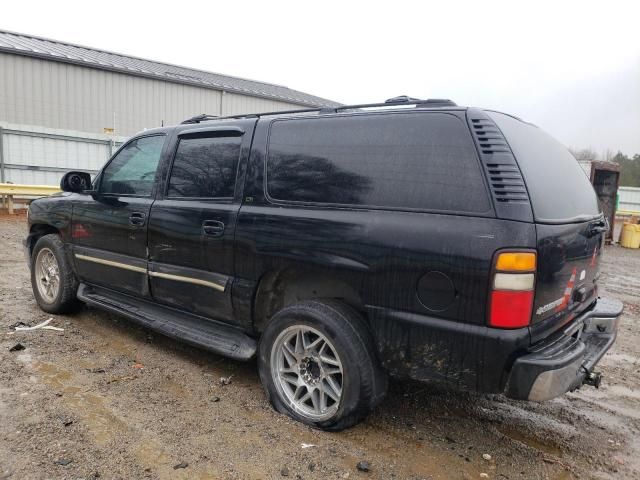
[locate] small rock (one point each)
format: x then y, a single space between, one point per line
226 380
180 465
484 475
486 456
62 461
449 439
17 347
363 466
312 467
215 399
98 370
284 472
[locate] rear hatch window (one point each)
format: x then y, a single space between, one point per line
559 189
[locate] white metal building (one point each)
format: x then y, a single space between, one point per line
65 106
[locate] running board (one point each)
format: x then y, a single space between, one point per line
197 331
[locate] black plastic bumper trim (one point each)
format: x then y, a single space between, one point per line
560 364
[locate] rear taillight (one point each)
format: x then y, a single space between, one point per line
512 289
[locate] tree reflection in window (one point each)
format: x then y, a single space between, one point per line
415 160
205 167
314 179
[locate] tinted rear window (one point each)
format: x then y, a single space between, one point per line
205 167
559 189
421 161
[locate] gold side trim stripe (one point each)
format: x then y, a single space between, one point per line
111 263
179 278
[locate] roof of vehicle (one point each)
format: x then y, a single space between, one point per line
32 46
401 103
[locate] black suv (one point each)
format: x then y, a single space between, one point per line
414 238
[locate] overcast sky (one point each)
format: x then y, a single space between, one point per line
572 68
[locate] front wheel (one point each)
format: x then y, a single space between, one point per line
318 365
53 282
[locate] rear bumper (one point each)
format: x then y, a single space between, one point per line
563 362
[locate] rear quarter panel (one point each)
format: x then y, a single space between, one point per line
383 255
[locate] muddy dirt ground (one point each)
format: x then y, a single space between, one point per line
107 399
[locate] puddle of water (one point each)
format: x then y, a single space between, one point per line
150 454
537 444
102 423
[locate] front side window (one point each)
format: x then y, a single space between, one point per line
205 167
133 170
424 161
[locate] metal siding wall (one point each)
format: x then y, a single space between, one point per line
33 150
233 104
58 95
629 198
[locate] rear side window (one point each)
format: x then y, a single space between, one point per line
421 161
559 189
205 167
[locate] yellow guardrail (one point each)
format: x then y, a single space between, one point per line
9 190
628 213
27 190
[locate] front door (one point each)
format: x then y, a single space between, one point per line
192 224
109 229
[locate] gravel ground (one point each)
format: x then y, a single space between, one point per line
107 399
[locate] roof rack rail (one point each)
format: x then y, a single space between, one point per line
401 100
199 118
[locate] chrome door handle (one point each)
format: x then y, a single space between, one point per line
137 219
213 228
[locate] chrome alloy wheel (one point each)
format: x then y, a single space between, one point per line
47 274
307 372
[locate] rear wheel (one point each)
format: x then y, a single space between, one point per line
317 364
53 282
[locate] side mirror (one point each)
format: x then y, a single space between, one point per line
75 182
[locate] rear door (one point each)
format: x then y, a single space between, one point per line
192 225
569 225
109 230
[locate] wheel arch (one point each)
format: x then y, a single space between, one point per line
280 288
37 231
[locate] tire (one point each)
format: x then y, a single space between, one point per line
336 338
48 257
